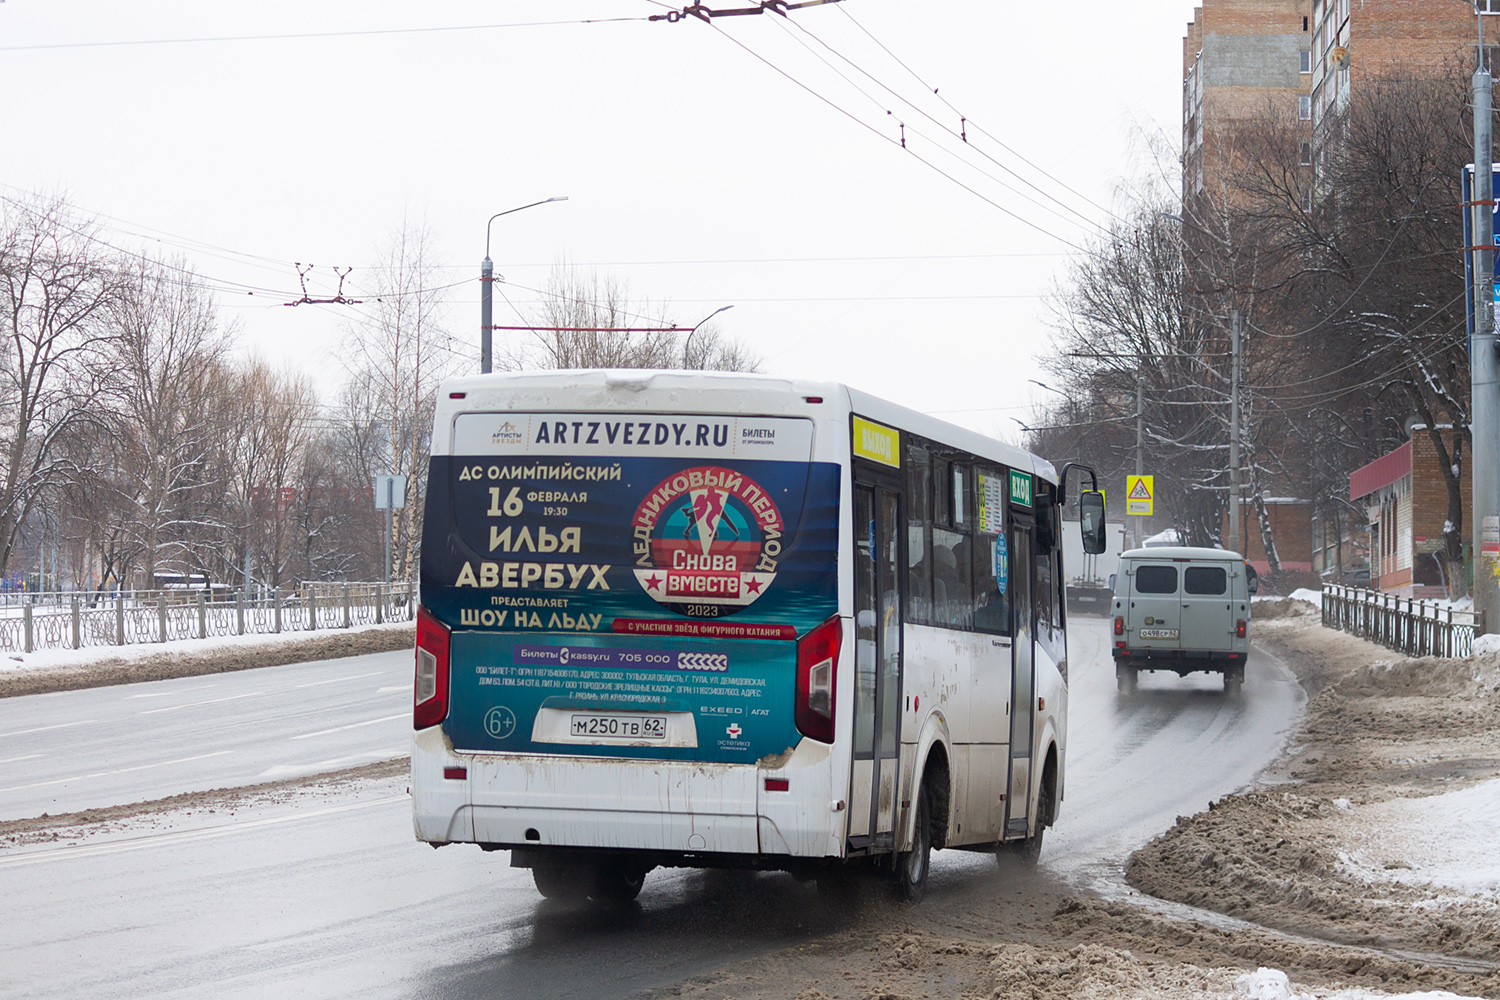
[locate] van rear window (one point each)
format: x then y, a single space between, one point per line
1156 579
1205 581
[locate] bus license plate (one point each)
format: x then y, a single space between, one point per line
620 727
1158 633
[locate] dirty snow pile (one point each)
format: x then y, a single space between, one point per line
1451 841
1487 643
1272 984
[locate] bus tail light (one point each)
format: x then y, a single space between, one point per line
817 679
430 693
1120 624
1239 629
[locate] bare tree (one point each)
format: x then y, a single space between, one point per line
395 359
166 361
579 324
56 286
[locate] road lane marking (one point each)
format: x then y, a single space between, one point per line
106 774
393 687
196 704
352 725
43 729
180 836
335 680
12 760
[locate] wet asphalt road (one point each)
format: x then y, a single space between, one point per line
335 899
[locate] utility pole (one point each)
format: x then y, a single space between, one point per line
1140 459
1233 541
1484 408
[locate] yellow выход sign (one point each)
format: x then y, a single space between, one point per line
877 442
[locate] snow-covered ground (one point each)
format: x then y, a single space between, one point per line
1449 841
1273 984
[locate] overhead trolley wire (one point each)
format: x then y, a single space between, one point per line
999 142
949 129
895 142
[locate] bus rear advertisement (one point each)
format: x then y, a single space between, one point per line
569 538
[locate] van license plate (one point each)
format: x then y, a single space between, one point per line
1147 633
627 727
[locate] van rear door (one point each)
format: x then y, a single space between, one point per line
1207 611
1155 609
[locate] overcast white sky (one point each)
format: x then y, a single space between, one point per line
696 171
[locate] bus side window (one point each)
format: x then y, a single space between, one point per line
918 544
952 560
991 606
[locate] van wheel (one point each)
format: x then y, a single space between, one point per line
912 866
1125 679
617 882
565 883
1233 679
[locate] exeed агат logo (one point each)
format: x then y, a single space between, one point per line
706 541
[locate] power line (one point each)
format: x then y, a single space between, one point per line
373 32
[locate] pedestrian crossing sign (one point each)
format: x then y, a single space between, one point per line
1139 498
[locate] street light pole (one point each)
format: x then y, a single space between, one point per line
1484 406
689 341
486 283
1234 541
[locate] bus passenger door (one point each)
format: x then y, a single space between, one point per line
1022 687
877 659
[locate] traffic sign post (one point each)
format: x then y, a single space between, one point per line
390 494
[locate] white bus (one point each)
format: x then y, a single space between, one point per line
716 620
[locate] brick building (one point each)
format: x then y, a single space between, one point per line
1405 499
1291 533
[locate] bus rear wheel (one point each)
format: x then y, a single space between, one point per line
1125 679
912 866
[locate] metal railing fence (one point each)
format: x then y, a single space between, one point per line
71 620
1407 625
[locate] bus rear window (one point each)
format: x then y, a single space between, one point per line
1156 580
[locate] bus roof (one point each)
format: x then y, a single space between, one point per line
701 392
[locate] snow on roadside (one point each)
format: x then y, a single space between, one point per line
1313 597
1450 841
1273 984
47 658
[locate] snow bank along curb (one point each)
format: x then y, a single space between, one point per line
1380 827
66 670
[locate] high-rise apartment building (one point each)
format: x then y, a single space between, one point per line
1241 60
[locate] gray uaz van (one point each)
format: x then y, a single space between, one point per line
1182 609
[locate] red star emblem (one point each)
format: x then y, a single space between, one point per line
753 586
653 582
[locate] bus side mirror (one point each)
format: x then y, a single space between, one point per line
1091 521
